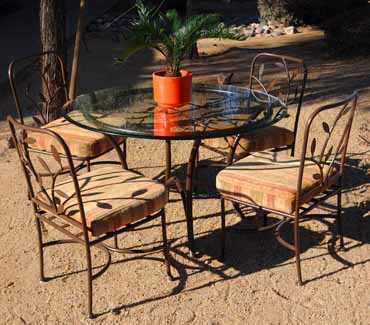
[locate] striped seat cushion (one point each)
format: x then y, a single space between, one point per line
264 180
81 142
254 141
112 197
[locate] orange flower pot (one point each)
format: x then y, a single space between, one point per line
172 91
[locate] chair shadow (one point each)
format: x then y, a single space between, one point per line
248 253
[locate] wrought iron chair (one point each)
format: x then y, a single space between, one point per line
89 208
291 188
29 98
279 75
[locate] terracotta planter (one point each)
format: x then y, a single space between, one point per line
172 91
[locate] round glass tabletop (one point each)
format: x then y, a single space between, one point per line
214 111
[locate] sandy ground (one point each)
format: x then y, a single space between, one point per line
257 283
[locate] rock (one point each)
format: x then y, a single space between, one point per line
277 33
248 33
290 30
258 30
224 78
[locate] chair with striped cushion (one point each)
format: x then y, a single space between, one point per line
33 96
88 208
288 187
281 76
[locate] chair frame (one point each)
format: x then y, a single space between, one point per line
53 214
324 191
283 60
31 62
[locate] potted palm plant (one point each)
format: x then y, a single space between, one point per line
173 37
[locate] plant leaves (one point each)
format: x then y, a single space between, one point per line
326 127
44 164
313 146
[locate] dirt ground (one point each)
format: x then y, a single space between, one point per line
257 282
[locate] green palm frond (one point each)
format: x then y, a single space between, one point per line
169 34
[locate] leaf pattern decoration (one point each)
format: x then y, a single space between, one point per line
326 127
62 194
56 156
104 205
313 146
44 164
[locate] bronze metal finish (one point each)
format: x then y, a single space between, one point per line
49 204
30 98
332 155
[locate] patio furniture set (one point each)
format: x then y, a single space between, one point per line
90 200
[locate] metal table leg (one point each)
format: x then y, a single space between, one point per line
189 195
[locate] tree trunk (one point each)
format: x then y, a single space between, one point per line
52 33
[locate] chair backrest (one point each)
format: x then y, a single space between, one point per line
41 176
325 143
282 76
29 79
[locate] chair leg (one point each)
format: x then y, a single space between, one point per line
238 210
165 244
339 219
88 165
41 250
89 282
124 153
297 250
264 215
115 238
223 230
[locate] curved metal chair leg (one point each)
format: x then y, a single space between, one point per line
89 282
115 239
41 250
297 251
264 215
88 165
339 219
223 230
238 210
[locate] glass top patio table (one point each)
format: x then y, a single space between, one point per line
214 111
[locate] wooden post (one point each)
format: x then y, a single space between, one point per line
76 51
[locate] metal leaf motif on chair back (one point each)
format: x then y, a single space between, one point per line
41 176
32 90
281 76
325 142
